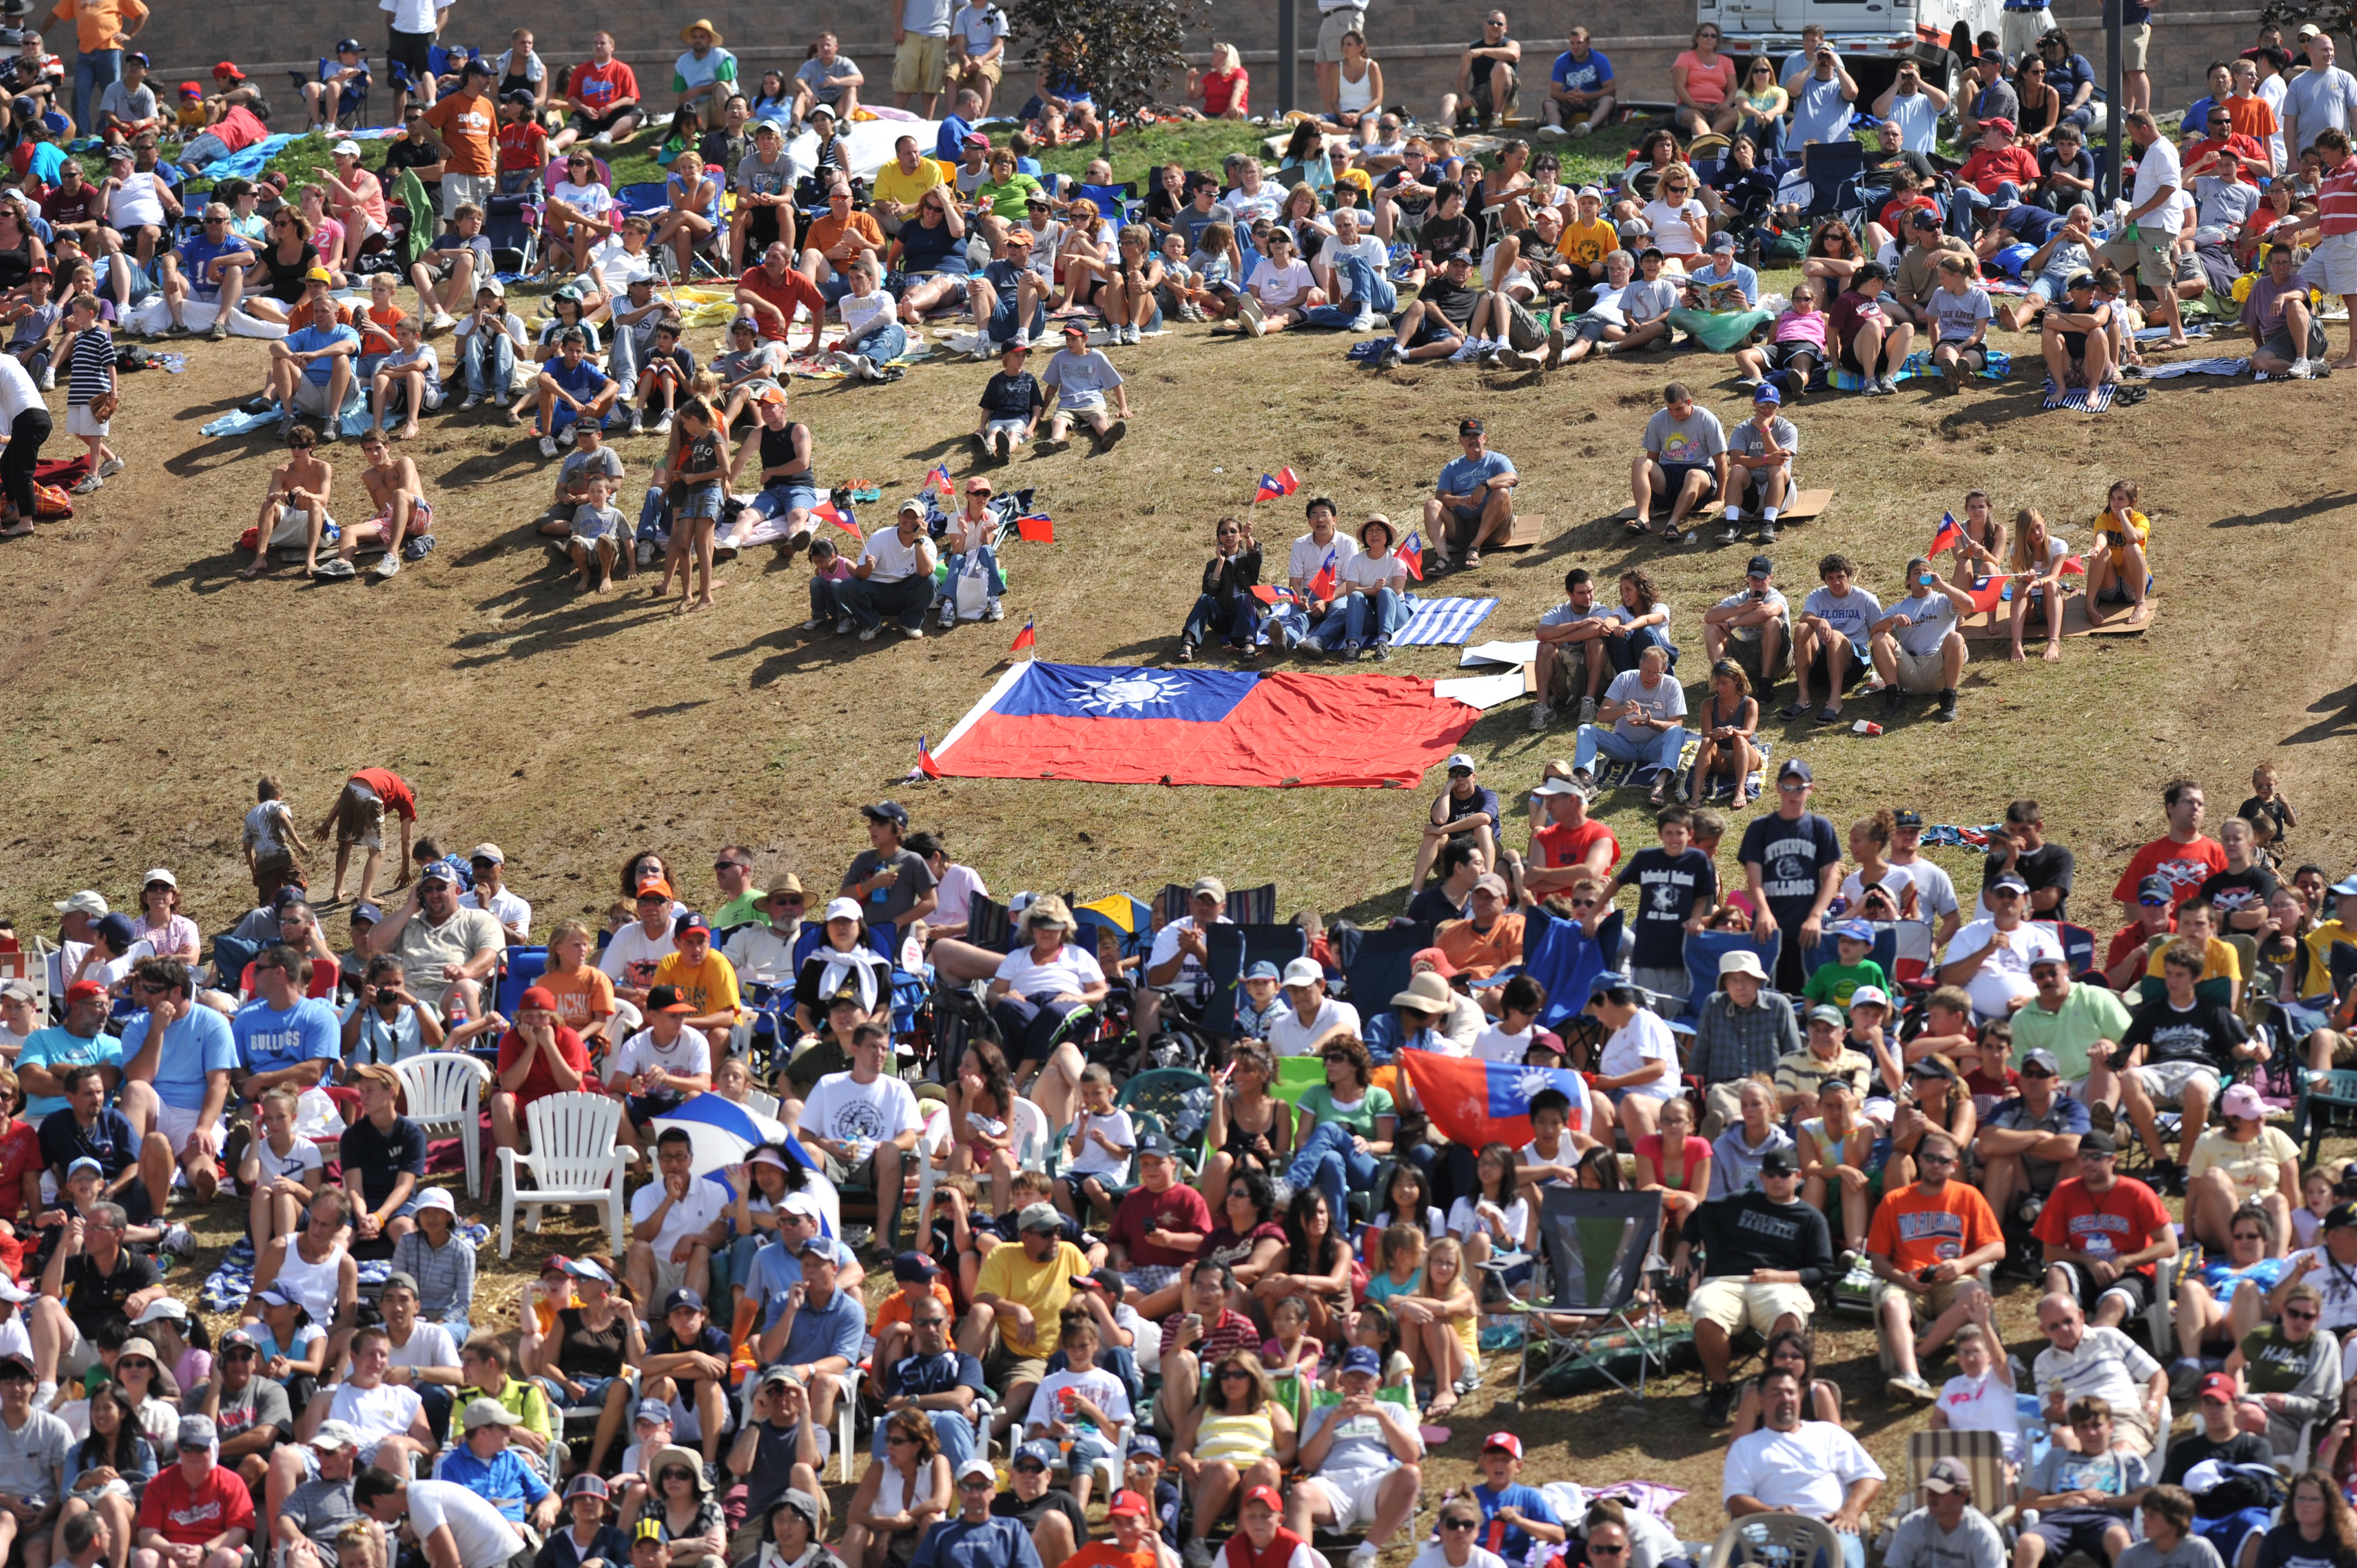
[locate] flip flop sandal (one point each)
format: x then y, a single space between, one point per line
1829 714
1637 525
1794 710
2131 395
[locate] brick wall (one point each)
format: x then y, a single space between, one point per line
1417 42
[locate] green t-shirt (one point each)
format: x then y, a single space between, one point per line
742 910
2089 1014
806 1068
1837 982
1010 200
1318 1102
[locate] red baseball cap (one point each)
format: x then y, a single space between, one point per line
85 991
2222 1385
1437 960
229 69
1265 1494
190 90
1131 1505
1505 1439
538 996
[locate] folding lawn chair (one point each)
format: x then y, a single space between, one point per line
1828 950
1983 1453
352 103
1235 949
1179 1099
1115 201
643 200
520 970
1597 1249
1704 949
1246 906
512 223
1376 965
1567 961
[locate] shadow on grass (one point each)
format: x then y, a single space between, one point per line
2290 511
2340 720
568 625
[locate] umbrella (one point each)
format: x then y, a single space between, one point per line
722 1132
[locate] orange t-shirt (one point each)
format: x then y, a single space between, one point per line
2251 117
824 233
895 1307
97 23
466 122
299 317
1915 1231
1477 953
376 323
582 997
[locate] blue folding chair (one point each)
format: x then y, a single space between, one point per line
524 968
1567 961
352 103
1235 949
1828 950
1704 949
1116 202
1377 965
643 200
2078 947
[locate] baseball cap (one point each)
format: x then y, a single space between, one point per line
2218 1385
587 1484
85 991
2010 881
652 1410
1208 888
2043 1060
1768 394
317 274
690 921
1261 970
1778 1162
485 1412
1039 1216
198 1432
1434 960
1266 1497
1723 241
2346 888
1856 930
1761 566
2338 1216
2081 279
162 1307
1036 1451
1076 330
13 1292
1145 1442
2099 1142
1128 1505
538 996
1304 970
1930 1067
977 1466
1471 427
1948 1474
682 1297
1361 1359
229 69
1906 817
367 912
1870 996
815 1242
1157 1143
2242 1104
1795 768
914 1268
841 908
1463 760
887 811
1490 882
2153 890
975 139
346 148
1822 1014
74 1169
1923 218
781 1374
1505 1439
1466 257
667 999
88 902
336 1435
190 90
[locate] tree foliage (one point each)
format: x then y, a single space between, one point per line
2338 17
1123 53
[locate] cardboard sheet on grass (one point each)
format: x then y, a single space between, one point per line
1125 725
1804 507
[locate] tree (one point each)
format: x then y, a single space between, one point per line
2337 17
1119 52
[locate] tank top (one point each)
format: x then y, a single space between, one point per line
592 1352
1349 97
135 203
1242 1440
286 277
778 450
17 263
892 1495
703 454
312 1285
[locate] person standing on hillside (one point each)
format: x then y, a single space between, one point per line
102 29
411 26
358 817
467 121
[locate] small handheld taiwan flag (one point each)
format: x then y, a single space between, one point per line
1321 586
940 479
825 511
1411 553
1274 486
1949 536
1027 638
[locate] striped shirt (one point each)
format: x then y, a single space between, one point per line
90 373
2336 198
445 1275
1732 1043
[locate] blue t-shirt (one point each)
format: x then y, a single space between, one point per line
198 1044
2030 225
839 1328
2221 1276
1582 75
311 340
271 1041
1510 1542
1460 476
775 1269
56 1048
2069 77
950 145
1820 113
197 253
504 1481
582 381
1917 119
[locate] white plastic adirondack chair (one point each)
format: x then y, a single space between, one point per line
574 1158
444 1090
1032 1137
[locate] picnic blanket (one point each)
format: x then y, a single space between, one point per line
1433 621
2081 400
1919 363
2224 366
248 163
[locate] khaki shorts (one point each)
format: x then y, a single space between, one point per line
2166 1082
2156 263
2136 43
990 70
920 64
1734 1303
1923 1309
1002 1369
1924 674
1330 28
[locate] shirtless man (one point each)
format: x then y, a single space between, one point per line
300 485
403 511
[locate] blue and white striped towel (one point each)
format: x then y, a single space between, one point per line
1436 621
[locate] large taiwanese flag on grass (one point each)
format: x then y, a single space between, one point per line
1118 724
1472 1103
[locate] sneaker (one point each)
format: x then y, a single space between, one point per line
1393 354
86 485
811 625
1584 777
335 570
644 554
1732 531
176 1240
949 614
1583 129
1717 1404
387 565
471 400
2102 1118
2301 371
1871 389
1249 311
915 633
994 610
1889 387
443 322
662 425
602 141
1767 534
218 332
1362 1556
111 467
1006 445
1891 701
1466 351
548 446
636 427
842 626
1542 716
1198 1554
1550 133
1363 322
1552 355
1588 710
1494 357
1358 652
1114 431
1911 1387
867 634
1946 712
2184 1376
50 377
1384 651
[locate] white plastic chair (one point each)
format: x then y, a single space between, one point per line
762 1104
575 1158
444 1091
1032 1140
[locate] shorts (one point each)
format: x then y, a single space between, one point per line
704 500
1432 327
1147 1278
80 422
990 70
1674 479
2151 261
1923 1309
1924 674
1522 332
920 64
1071 402
642 1109
861 1174
290 530
2133 1289
582 124
1016 430
2167 1081
1734 1303
176 1125
668 1276
360 816
1002 1369
310 397
2279 344
1352 1495
1854 668
1481 95
1779 354
2333 266
781 498
420 517
459 189
409 51
2069 1530
2135 44
1332 25
1972 356
761 226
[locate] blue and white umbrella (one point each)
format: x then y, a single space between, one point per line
722 1132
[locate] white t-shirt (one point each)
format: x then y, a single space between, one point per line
693 1215
1495 1045
1808 1468
2338 1284
1191 981
1074 969
1433 1556
1100 1389
611 261
631 945
1371 572
381 1412
1984 1404
1366 247
1280 287
1643 1039
429 1346
850 1111
859 309
1935 890
298 1161
1092 1160
688 1054
1288 1037
1668 226
475 1525
1307 556
589 200
1463 1221
2159 165
954 893
2004 973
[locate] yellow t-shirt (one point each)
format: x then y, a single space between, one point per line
1587 244
2255 1169
708 987
2138 529
2221 962
2318 980
1010 1274
892 184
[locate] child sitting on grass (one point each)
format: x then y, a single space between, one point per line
597 541
827 565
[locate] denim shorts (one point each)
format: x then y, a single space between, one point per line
780 498
704 500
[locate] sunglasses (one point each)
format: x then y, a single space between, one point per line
2296 1316
976 1484
1237 1373
677 1473
899 1439
1594 1549
1460 1524
1935 1159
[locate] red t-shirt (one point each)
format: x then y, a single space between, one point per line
2184 867
793 290
2123 1220
522 145
540 1083
1915 1231
392 790
1561 845
2132 935
79 207
1893 216
1178 1207
1986 170
1849 309
1226 89
188 1516
599 85
20 1157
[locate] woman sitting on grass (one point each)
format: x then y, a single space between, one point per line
1730 727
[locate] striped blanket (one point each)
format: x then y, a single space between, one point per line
1433 621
